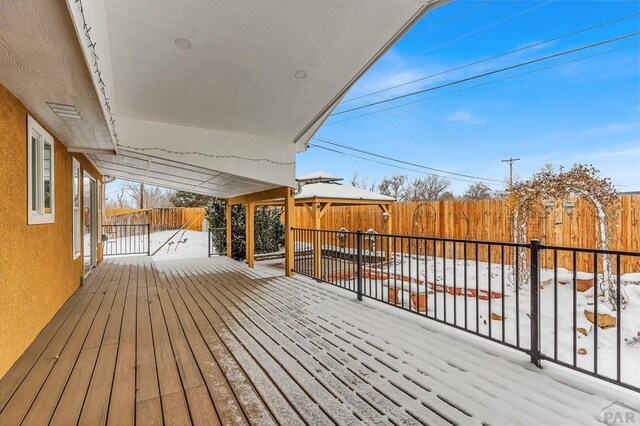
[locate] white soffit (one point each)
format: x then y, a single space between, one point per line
249 84
239 74
41 61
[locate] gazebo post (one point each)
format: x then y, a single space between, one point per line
250 233
228 210
289 223
275 196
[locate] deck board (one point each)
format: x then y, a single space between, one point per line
57 358
69 400
211 342
148 400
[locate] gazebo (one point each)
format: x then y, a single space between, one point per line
318 192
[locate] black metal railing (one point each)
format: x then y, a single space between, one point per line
496 290
217 241
126 239
590 331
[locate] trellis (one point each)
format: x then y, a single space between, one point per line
580 181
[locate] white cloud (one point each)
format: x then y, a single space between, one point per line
631 152
601 130
611 128
465 117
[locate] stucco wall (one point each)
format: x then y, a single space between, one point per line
37 272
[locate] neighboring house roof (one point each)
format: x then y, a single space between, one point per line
337 191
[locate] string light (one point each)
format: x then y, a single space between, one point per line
111 120
202 154
102 87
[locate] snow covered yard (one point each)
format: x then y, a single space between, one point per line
172 244
184 245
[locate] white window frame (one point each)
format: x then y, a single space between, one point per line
76 216
38 216
99 201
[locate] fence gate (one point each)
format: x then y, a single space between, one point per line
126 239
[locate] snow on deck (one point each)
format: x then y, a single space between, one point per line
209 340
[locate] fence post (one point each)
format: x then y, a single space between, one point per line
535 302
359 260
148 239
209 242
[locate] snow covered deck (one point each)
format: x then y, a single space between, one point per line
208 341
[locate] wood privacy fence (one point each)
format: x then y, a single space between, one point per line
484 220
490 220
160 219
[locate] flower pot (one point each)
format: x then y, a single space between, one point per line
584 284
419 302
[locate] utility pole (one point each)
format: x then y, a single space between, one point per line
511 161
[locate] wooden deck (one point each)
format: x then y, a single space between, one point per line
211 342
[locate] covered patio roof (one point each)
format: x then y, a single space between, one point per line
209 341
211 97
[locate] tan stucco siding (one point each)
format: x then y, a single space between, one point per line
37 269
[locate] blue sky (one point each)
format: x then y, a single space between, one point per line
587 111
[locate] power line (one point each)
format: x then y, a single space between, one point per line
440 23
483 84
493 24
373 154
396 166
582 30
496 71
417 122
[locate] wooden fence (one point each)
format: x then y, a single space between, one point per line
160 219
484 220
490 220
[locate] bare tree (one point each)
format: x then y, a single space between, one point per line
363 183
393 186
427 188
548 167
146 196
478 191
447 196
117 200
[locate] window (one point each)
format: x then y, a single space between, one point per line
75 176
41 195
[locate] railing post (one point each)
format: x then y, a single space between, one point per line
535 302
359 260
148 239
209 242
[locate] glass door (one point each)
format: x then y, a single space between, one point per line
89 222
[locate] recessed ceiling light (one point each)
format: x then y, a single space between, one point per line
301 74
183 43
64 110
